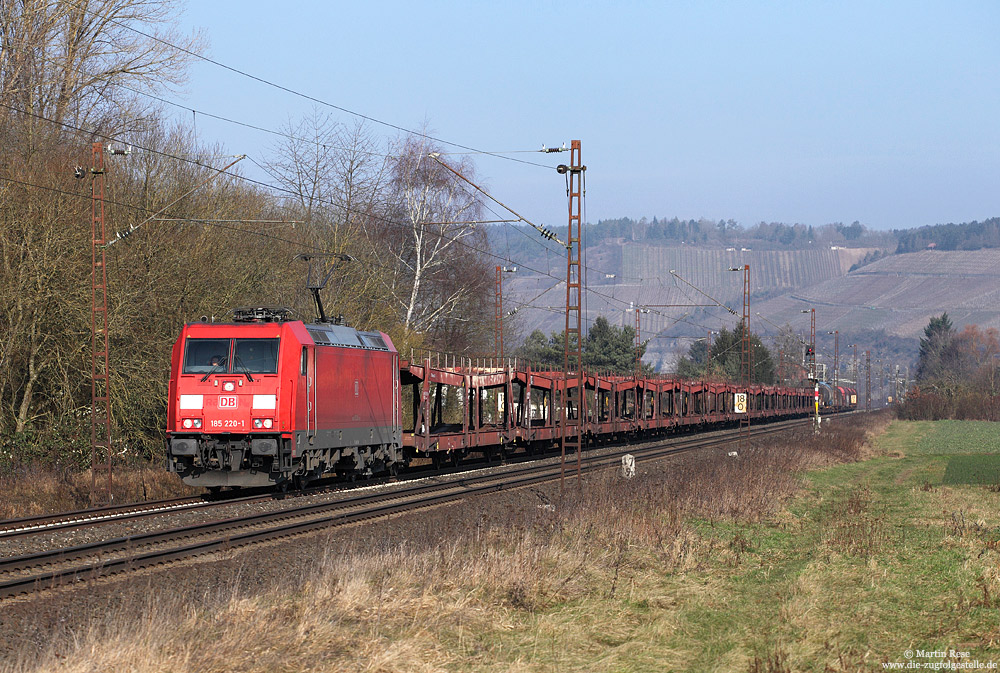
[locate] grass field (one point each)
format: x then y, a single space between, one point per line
875 558
785 560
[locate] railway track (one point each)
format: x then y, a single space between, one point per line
98 516
10 528
43 570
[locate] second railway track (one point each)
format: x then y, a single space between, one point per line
62 566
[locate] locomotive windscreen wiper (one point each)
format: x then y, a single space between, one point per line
220 363
246 370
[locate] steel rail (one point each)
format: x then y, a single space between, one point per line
48 557
14 527
426 495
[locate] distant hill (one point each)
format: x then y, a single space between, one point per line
899 294
771 270
874 295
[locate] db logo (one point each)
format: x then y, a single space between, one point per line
227 401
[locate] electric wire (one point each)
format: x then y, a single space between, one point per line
306 96
194 111
291 136
274 188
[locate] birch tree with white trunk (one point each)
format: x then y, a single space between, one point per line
433 235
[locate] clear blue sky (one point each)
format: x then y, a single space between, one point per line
811 112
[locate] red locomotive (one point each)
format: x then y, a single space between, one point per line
267 400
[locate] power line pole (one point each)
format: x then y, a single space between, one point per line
812 344
638 340
499 314
498 317
836 357
813 374
746 357
746 361
100 368
573 340
708 355
868 380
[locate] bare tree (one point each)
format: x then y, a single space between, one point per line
64 64
331 179
430 233
81 61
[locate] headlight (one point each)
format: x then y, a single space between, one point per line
228 386
187 423
268 422
257 423
197 422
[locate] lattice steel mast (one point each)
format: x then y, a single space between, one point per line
746 361
100 368
573 339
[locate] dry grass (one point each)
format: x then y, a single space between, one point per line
857 525
32 491
547 586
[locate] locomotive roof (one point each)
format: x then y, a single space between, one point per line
341 335
323 334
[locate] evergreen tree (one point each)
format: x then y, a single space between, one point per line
727 358
693 366
541 350
610 348
938 335
606 347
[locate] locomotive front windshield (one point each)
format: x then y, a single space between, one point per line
202 356
257 356
254 356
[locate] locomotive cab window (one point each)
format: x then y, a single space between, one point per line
206 355
257 356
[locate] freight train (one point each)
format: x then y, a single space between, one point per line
265 400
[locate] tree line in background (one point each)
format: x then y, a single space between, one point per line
704 232
966 236
956 375
765 235
73 72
